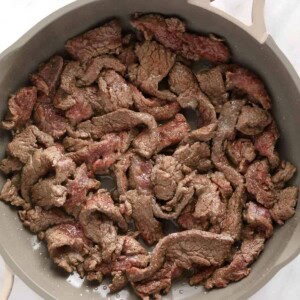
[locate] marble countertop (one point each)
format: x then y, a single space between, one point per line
283 23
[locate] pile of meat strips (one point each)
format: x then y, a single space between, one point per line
116 105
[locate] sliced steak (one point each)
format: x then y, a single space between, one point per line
10 165
141 212
75 144
47 77
223 184
185 249
20 107
253 120
127 56
102 40
170 32
285 172
202 134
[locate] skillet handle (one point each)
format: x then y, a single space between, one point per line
258 27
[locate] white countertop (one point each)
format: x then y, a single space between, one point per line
283 23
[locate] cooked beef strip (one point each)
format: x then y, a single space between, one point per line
102 40
195 156
114 92
38 219
119 120
75 144
77 190
223 184
148 142
127 56
170 32
139 175
238 268
253 120
241 152
259 184
10 165
212 84
259 218
141 212
284 208
247 82
47 77
27 141
155 62
10 193
284 173
202 275
226 131
185 249
203 134
67 245
156 107
265 144
20 107
96 65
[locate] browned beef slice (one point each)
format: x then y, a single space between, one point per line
149 142
185 249
241 152
253 120
201 275
97 217
202 134
119 120
26 142
10 165
238 268
114 92
284 208
212 84
20 107
195 156
67 245
49 119
77 190
104 39
10 193
141 212
259 218
223 184
265 144
46 79
94 67
171 33
184 83
248 83
156 107
40 163
226 131
285 172
233 221
165 176
74 144
259 184
139 174
37 219
128 56
155 62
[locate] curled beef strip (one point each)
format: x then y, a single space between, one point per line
185 249
75 144
259 184
119 120
155 62
20 107
47 77
223 184
241 152
284 173
265 144
94 67
10 165
253 120
170 32
202 134
156 107
38 219
67 245
226 131
102 40
284 208
148 142
139 208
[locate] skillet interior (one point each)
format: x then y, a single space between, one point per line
19 248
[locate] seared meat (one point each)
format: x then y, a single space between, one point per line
285 172
10 165
223 184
